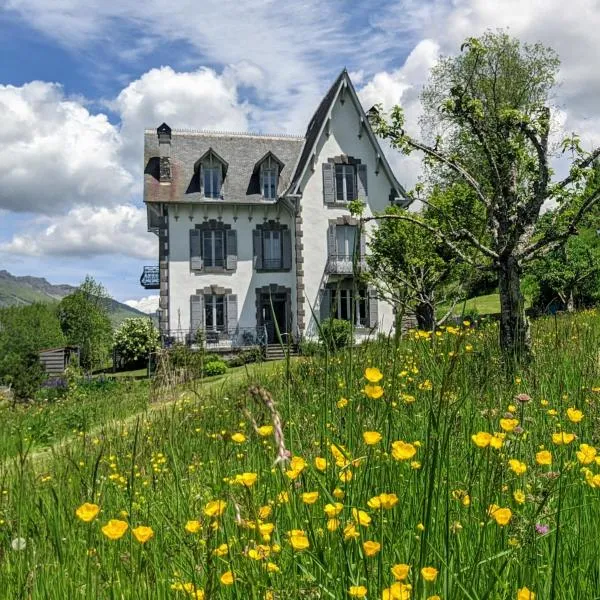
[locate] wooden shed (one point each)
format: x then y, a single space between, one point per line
56 360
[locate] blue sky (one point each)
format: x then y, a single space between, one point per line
80 79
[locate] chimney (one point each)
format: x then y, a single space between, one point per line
164 152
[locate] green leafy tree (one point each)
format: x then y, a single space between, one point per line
490 108
84 320
135 340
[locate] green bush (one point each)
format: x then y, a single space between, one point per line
336 334
135 340
214 367
310 348
245 357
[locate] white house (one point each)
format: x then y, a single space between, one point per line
254 230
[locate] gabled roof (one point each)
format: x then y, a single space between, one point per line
317 125
240 151
211 152
261 160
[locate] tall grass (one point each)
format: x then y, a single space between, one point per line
163 469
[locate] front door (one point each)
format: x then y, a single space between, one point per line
274 311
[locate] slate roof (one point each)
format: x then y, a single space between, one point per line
241 151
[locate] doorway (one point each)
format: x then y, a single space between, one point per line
274 314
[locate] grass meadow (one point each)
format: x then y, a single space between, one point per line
413 471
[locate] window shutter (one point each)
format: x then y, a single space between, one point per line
372 308
328 183
196 314
331 241
258 248
232 313
324 304
196 262
201 176
287 249
231 248
363 244
363 192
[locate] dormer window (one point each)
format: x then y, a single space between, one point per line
212 169
269 167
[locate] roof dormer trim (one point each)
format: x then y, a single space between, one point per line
210 153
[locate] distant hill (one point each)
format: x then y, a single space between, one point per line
16 291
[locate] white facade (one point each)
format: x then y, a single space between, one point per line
305 225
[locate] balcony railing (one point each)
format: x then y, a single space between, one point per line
344 264
150 278
239 337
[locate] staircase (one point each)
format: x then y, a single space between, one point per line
278 352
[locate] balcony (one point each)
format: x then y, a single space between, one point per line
150 278
345 264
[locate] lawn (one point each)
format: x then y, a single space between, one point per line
419 471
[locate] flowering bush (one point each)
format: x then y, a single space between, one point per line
135 340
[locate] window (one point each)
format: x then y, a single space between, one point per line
213 248
271 249
345 240
349 304
212 181
269 182
214 313
345 183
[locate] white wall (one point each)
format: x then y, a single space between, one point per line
343 139
183 282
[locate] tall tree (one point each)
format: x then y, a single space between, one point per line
490 106
84 320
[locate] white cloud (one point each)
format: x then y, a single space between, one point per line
55 153
87 231
148 304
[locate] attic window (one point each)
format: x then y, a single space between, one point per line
269 167
211 173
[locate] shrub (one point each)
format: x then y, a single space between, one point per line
310 348
135 340
245 357
336 334
214 367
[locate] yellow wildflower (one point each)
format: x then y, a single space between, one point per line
215 508
310 497
333 510
320 463
193 526
517 466
238 438
265 430
227 578
357 591
361 517
525 594
400 571
403 450
429 573
143 534
508 424
221 550
298 540
371 548
562 437
544 457
371 437
246 479
482 439
373 391
373 375
586 454
115 529
574 415
87 512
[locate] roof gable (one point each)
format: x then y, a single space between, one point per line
316 128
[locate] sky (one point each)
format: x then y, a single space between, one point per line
81 79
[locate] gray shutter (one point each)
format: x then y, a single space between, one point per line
196 314
331 242
324 304
258 248
287 249
363 192
363 243
372 307
232 313
328 183
196 263
231 249
201 182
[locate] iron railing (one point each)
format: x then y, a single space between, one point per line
150 278
345 264
225 339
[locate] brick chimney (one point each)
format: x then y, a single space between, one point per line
164 150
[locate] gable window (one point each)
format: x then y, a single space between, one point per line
269 174
212 182
211 172
214 312
213 248
272 256
345 183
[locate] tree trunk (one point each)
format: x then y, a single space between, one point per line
570 302
425 316
515 341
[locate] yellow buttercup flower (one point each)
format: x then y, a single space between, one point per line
215 508
373 375
350 532
361 517
115 529
373 391
221 550
525 594
482 439
429 573
333 510
586 454
517 466
386 501
502 516
371 437
346 475
544 457
403 450
338 493
371 548
297 465
562 438
497 440
238 438
265 430
574 415
246 479
264 512
519 496
193 526
508 424
298 540
397 591
320 463
87 512
400 571
342 402
227 578
333 524
310 497
357 591
143 534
